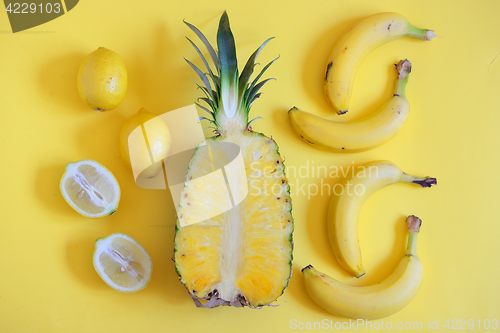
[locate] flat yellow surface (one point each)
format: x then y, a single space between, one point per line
47 281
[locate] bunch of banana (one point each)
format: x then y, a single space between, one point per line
362 134
344 209
395 292
345 59
376 301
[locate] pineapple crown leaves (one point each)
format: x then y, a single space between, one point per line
223 88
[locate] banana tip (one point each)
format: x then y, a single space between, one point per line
427 182
414 223
307 267
404 68
429 35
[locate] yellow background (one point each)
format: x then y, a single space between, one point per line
47 281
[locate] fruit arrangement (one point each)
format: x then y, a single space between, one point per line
93 191
396 291
346 57
232 246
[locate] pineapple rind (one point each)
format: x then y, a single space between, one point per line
287 191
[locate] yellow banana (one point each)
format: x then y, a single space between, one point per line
376 301
344 209
358 135
353 47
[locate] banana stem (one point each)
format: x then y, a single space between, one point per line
423 34
414 224
404 68
422 181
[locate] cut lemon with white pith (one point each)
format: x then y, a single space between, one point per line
122 263
90 189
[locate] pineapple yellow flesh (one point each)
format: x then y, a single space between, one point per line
245 252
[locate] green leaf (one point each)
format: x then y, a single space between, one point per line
205 91
253 92
204 61
254 119
205 109
248 70
247 93
227 52
206 100
210 120
209 47
202 76
216 97
254 98
217 82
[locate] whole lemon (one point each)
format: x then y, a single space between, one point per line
102 79
144 142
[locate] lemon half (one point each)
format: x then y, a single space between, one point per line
122 263
90 189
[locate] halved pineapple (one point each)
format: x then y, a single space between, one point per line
233 241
